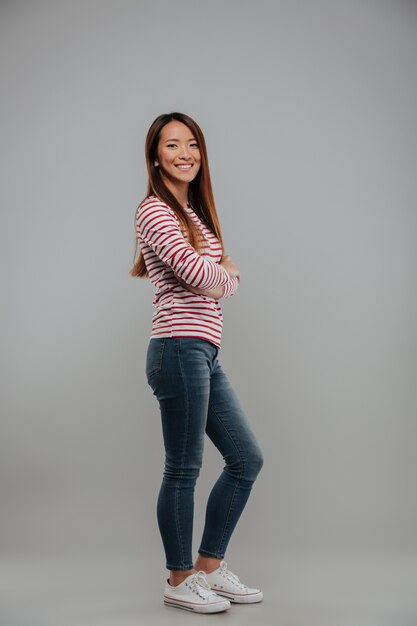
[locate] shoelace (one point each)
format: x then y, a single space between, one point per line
231 576
200 585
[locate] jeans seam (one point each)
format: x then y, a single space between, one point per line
177 520
187 420
226 526
158 364
238 480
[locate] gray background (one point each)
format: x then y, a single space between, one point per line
308 109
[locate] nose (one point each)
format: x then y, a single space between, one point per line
184 153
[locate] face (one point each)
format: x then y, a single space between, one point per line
178 154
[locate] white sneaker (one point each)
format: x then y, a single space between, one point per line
194 594
228 585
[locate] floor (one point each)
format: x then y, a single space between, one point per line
299 590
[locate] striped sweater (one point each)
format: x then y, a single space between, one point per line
178 311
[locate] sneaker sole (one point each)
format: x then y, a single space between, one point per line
243 599
197 608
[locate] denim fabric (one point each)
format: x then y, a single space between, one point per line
195 397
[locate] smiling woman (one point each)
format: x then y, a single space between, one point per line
181 245
179 158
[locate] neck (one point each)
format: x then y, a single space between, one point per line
179 190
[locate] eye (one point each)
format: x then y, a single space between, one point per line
171 145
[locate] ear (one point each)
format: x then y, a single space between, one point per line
156 163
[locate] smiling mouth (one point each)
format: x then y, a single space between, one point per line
184 167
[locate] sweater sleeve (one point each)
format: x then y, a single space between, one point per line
230 287
157 227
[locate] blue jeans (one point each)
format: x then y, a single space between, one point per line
195 397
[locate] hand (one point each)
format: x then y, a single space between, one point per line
230 267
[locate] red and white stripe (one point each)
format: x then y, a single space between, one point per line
178 311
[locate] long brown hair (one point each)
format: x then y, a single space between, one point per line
200 193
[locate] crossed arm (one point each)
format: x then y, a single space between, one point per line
160 230
216 292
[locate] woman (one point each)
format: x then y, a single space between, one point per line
181 252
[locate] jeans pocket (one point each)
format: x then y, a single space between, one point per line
154 356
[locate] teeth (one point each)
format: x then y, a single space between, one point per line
184 167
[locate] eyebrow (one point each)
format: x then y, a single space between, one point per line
193 139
